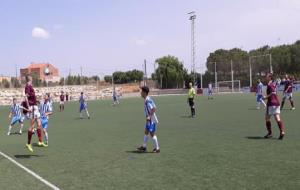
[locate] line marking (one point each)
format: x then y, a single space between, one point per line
30 172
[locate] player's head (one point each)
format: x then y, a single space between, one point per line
15 100
286 76
46 97
28 79
144 91
190 85
62 92
48 94
258 81
81 93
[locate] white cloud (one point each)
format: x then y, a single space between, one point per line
38 32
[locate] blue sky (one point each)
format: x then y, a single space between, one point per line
106 36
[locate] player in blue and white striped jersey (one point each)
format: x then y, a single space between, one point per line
45 109
16 116
83 106
259 94
151 121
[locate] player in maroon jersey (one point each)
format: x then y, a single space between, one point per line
288 91
273 108
62 101
34 114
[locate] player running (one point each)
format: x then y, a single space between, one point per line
34 114
16 116
288 92
191 96
45 110
210 91
273 108
83 106
259 95
62 102
151 121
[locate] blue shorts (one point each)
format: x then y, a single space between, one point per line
82 107
259 98
151 127
44 122
16 119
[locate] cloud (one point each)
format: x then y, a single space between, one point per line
38 32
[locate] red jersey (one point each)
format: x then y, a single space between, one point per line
24 104
288 86
272 96
30 93
62 98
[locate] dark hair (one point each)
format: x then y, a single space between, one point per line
145 89
14 99
271 76
27 77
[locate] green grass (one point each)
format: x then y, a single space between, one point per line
220 149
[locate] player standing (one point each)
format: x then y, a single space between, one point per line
62 101
46 111
288 92
34 114
16 115
83 106
67 96
273 108
151 121
259 95
191 96
115 97
210 91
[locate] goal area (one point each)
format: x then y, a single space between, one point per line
229 86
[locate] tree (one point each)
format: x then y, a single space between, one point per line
5 83
170 72
108 78
15 82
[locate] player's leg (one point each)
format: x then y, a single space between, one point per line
21 126
291 101
268 123
283 101
30 129
39 133
44 123
12 123
145 140
154 139
280 126
87 112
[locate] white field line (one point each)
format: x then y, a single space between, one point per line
30 172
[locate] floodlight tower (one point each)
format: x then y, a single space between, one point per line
193 42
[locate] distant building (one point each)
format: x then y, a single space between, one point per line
44 71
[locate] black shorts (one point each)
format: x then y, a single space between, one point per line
191 102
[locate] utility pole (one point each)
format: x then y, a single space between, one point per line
193 43
145 72
232 85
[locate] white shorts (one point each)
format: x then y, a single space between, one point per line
61 103
35 114
273 110
287 95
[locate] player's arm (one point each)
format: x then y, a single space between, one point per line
152 111
290 86
23 108
10 114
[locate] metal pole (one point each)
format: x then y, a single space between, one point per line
193 47
271 68
201 81
232 85
250 72
216 75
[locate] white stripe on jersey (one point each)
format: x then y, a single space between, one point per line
149 105
45 108
16 110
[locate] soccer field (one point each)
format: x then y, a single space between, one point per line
222 148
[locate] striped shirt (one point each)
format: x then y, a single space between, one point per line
16 110
148 106
45 107
259 89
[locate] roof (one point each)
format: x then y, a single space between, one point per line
38 65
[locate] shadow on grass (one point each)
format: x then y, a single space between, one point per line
186 116
15 133
137 152
26 156
259 138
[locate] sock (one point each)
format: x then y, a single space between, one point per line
145 141
282 104
268 126
29 137
193 111
80 114
21 128
263 102
155 142
46 136
39 132
258 105
9 128
281 127
87 113
292 103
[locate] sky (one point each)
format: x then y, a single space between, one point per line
103 36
